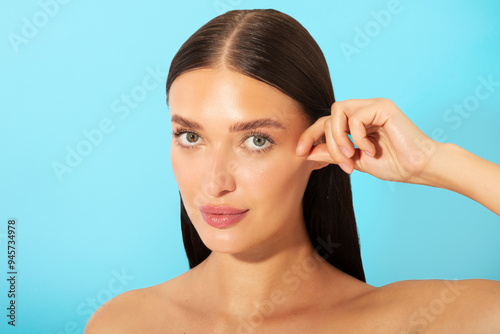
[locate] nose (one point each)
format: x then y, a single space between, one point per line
219 177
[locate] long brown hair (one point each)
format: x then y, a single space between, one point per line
272 47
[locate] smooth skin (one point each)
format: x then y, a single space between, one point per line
263 275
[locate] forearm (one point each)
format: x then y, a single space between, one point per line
453 168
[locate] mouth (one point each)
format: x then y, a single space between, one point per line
221 216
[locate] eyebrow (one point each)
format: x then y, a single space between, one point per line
240 126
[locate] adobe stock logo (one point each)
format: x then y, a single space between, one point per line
118 283
121 108
454 117
371 29
292 280
31 27
462 110
422 318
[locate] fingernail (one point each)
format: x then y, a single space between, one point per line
345 168
368 153
345 151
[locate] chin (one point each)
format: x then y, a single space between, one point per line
230 240
224 242
245 237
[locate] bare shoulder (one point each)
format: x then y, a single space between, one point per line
135 311
109 318
442 306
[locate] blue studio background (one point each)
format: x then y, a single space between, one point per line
85 137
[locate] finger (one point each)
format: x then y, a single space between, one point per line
357 162
344 162
311 135
361 115
340 130
320 153
358 132
350 106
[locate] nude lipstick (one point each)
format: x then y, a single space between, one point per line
221 216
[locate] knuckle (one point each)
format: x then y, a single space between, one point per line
353 121
356 126
336 106
387 102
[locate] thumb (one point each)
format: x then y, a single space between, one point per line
320 153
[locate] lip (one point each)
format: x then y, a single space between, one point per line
221 216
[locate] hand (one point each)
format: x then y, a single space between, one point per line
390 146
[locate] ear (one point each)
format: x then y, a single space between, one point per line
319 165
320 156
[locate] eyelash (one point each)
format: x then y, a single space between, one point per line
178 133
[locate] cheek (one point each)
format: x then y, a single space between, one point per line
278 181
185 173
176 161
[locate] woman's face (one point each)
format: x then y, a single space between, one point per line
234 147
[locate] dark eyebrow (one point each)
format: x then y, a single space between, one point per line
258 123
186 123
240 126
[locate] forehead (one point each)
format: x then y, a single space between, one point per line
228 95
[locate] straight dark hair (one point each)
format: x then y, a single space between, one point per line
272 47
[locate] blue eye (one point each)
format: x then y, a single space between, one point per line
257 142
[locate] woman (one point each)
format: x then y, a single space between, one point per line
261 154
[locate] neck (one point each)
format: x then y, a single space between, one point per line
261 281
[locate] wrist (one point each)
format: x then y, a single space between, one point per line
440 168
